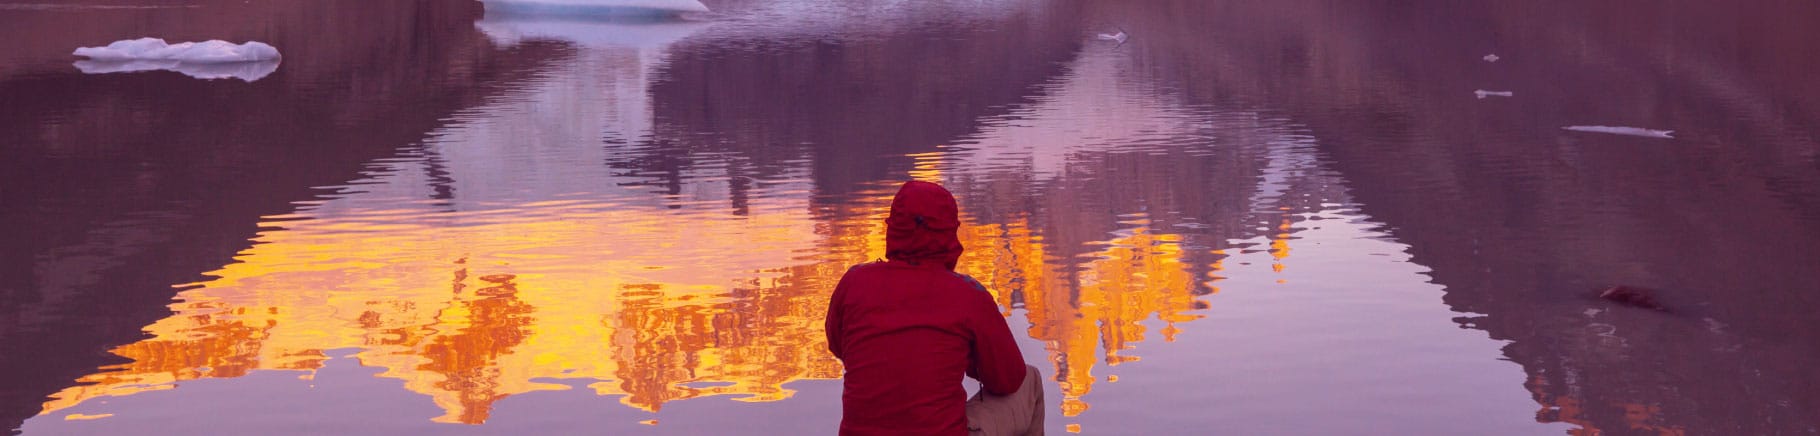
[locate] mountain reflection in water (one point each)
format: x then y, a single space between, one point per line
1246 217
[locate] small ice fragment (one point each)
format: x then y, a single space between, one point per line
1490 58
1620 130
206 52
1714 325
652 8
1120 37
1483 93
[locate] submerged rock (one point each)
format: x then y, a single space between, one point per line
1632 296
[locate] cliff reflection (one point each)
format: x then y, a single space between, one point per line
564 291
472 280
1520 221
601 226
119 185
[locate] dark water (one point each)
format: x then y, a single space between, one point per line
1245 218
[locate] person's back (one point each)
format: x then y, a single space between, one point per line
907 329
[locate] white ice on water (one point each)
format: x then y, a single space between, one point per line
214 59
1621 130
597 7
1483 93
206 52
1120 37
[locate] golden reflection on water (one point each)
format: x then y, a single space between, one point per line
1638 418
1137 276
646 303
640 299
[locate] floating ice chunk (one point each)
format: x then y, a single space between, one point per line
213 59
206 52
246 71
1483 93
1120 37
1490 58
1620 130
647 8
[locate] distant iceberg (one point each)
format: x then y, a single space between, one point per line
206 52
631 8
1627 131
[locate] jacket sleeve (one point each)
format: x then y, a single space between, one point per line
997 363
832 325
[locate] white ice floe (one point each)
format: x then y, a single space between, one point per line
1120 37
206 52
246 71
596 7
213 59
1620 130
1490 58
1483 93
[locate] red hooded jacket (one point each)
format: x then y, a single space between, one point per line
907 328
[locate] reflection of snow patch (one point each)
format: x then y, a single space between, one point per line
1490 58
508 31
596 7
1291 157
1483 93
1120 37
247 71
607 90
212 51
1621 130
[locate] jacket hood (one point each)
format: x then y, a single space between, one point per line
922 225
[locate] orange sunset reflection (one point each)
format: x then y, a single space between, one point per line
643 302
471 307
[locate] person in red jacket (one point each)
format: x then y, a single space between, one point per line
907 328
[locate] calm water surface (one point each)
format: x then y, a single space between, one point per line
1246 218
